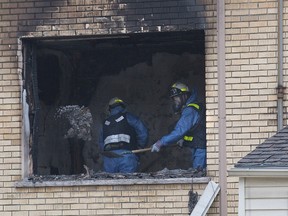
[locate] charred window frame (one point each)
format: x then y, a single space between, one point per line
39 51
30 105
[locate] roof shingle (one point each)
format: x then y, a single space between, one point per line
273 152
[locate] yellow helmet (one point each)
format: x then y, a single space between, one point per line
116 102
178 88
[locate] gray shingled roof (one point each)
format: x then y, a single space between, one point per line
273 152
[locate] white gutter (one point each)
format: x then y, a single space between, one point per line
206 199
258 172
222 105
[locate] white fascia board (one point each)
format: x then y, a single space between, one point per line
259 172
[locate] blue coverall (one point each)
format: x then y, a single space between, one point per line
189 118
129 162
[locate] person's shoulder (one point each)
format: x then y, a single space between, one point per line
191 108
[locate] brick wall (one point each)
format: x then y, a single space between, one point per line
251 72
99 200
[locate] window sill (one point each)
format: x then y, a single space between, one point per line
103 182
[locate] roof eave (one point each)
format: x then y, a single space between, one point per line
259 172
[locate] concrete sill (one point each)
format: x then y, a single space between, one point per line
91 182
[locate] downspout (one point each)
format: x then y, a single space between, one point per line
222 105
280 88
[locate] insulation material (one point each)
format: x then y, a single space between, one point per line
80 120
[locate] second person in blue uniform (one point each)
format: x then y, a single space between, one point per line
121 133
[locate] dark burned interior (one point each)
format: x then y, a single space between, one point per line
139 68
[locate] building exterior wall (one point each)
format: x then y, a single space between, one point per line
251 81
98 200
251 78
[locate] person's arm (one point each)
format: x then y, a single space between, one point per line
140 129
189 118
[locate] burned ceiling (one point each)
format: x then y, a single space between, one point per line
158 39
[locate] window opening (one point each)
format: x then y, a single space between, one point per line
85 73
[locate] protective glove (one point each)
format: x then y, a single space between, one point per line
180 143
156 146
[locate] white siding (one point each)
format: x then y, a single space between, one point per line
266 196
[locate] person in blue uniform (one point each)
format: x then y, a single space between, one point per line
190 129
122 132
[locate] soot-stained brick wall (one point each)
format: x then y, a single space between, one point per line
74 18
86 17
